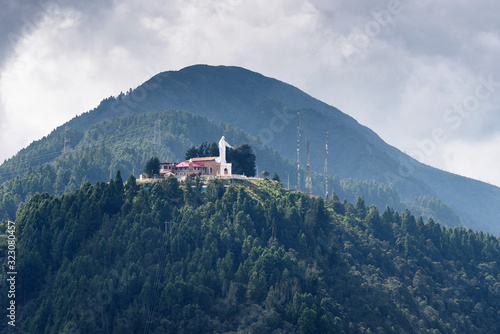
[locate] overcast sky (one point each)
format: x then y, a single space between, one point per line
421 74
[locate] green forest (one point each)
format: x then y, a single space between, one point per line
127 143
243 257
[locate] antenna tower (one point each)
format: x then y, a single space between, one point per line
326 165
309 186
157 135
298 148
66 139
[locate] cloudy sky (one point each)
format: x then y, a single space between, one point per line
421 74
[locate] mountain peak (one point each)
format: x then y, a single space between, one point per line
266 109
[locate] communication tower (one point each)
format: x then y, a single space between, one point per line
326 165
66 139
157 135
308 188
298 148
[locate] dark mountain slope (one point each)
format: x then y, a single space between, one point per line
262 106
473 200
266 108
126 143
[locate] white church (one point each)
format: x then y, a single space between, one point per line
204 166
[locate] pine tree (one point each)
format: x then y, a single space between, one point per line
118 182
243 160
360 207
276 177
152 166
131 187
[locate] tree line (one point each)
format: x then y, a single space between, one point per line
241 256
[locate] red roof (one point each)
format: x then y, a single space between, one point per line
186 164
204 159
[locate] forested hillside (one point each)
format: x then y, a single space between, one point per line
264 109
126 143
166 257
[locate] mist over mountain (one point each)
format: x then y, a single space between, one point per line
266 109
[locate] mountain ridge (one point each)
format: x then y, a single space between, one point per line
409 186
266 108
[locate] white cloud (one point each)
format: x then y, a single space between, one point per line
32 83
470 159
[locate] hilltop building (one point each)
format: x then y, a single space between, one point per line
204 166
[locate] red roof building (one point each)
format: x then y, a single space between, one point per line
187 164
204 166
195 166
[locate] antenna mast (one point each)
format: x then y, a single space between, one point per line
326 165
298 148
66 139
308 188
157 135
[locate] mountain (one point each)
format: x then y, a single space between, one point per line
165 257
127 143
258 105
266 109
